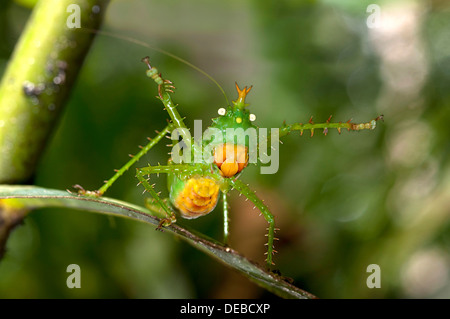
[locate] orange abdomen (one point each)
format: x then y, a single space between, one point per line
198 197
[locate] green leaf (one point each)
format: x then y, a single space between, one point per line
32 197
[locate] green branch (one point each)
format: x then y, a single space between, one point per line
38 80
27 198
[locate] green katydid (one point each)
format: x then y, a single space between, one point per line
210 168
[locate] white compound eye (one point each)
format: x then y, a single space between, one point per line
252 117
222 111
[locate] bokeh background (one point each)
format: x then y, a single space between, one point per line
342 202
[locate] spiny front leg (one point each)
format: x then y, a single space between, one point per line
165 87
286 129
123 169
247 192
271 140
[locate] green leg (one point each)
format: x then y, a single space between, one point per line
165 87
152 204
286 129
225 218
247 192
170 214
181 169
127 165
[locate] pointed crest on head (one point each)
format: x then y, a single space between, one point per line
240 102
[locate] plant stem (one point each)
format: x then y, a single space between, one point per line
26 198
38 81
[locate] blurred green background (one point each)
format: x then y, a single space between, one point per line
342 202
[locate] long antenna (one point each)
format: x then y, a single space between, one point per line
144 44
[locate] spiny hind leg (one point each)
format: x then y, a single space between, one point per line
157 201
247 192
164 205
154 205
